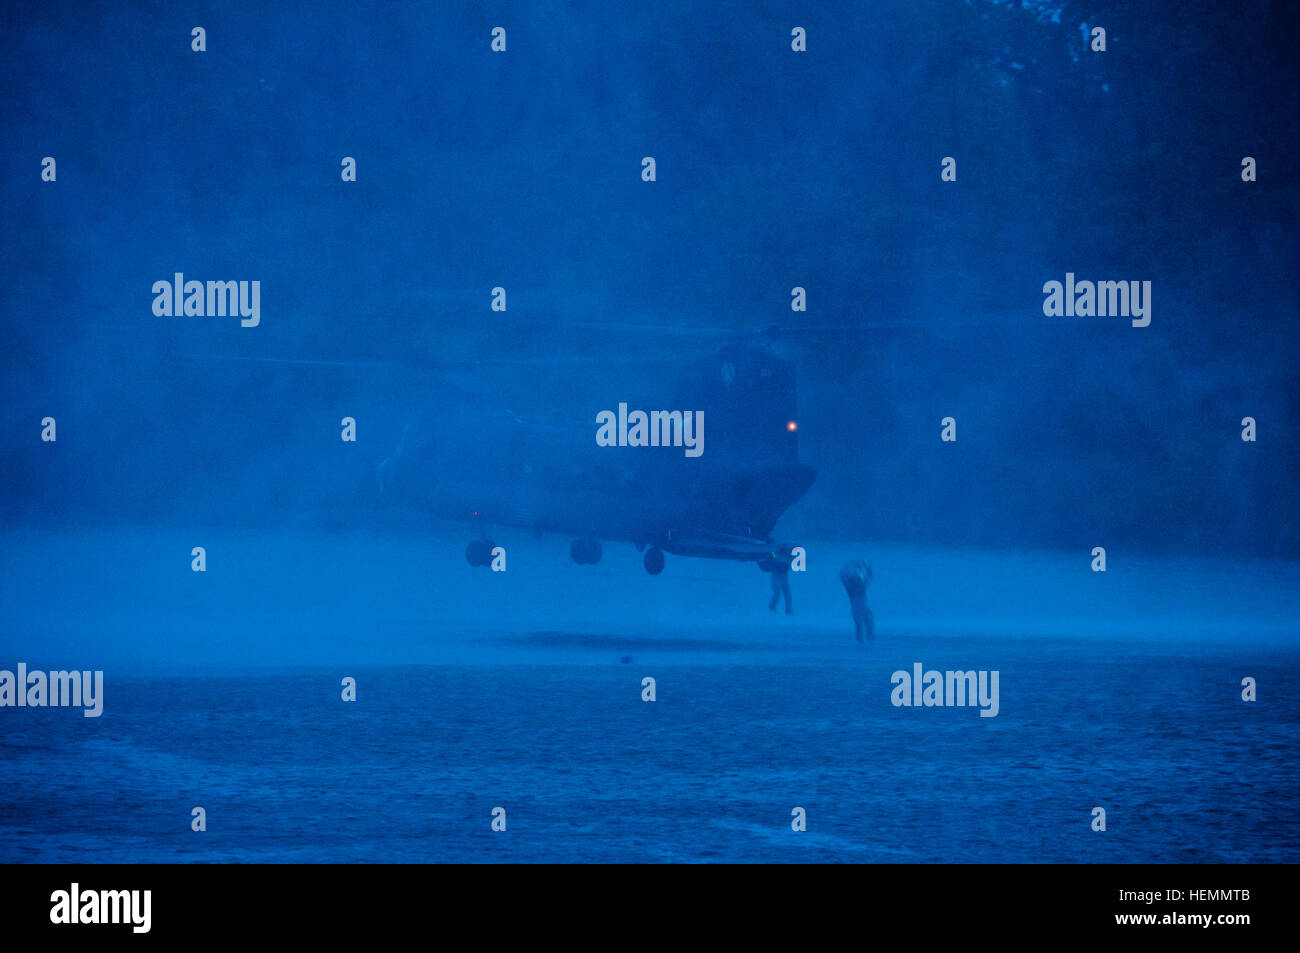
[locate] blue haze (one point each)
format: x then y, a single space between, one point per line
775 169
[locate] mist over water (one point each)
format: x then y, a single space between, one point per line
522 170
775 170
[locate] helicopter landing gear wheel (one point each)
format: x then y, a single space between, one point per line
479 552
654 560
585 551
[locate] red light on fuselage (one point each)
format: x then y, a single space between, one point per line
792 426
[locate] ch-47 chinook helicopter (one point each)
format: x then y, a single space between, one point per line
548 473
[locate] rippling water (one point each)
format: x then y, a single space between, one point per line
710 771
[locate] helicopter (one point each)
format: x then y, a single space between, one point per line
479 440
555 474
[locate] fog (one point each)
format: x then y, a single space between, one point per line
332 555
774 170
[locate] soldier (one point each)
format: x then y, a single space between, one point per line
855 574
780 582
